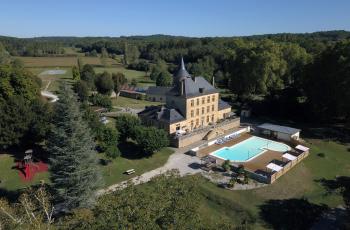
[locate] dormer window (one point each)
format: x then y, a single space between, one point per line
201 90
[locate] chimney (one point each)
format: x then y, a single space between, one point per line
213 83
193 78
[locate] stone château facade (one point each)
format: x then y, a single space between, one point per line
192 103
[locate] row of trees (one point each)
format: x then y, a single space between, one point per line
104 83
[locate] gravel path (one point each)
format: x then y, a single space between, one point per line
184 163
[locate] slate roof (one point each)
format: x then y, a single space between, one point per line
192 87
162 113
181 73
223 105
279 128
157 90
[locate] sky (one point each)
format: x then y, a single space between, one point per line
195 18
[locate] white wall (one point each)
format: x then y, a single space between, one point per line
283 136
296 136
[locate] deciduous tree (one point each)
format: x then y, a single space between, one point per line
125 124
150 139
104 83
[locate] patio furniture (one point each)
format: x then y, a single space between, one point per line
130 171
302 148
219 142
274 167
289 157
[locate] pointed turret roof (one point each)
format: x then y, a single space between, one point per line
181 73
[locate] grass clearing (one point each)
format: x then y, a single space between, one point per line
51 82
132 103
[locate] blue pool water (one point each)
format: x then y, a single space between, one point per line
249 148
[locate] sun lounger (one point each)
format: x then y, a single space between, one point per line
274 167
289 157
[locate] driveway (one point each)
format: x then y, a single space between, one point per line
187 165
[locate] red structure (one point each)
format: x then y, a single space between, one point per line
28 169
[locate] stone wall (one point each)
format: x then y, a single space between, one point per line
199 134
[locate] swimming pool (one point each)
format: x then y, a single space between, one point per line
248 149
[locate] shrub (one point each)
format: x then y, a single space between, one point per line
112 152
107 137
226 165
101 100
246 179
150 139
231 183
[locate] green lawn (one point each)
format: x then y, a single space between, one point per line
300 182
9 177
52 80
132 103
114 171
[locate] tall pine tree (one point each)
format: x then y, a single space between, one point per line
74 173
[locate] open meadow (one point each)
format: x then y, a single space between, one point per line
50 82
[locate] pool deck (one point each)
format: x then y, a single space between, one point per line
206 151
258 164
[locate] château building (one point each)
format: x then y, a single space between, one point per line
191 104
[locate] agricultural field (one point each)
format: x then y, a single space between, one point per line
48 61
73 51
63 61
97 61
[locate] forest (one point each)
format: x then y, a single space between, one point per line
294 76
